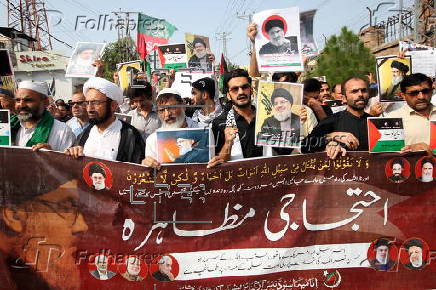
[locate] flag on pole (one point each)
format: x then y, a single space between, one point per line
223 70
151 33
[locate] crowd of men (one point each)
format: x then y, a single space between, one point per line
87 125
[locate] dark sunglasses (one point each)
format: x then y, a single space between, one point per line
235 89
81 103
425 91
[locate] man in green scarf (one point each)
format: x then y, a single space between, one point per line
33 126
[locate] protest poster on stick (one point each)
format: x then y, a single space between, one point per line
278 45
80 63
278 114
390 72
198 52
267 223
185 145
173 56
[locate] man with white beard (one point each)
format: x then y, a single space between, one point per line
382 261
283 127
171 112
98 176
414 249
427 167
201 59
399 70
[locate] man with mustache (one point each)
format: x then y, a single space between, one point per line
80 119
171 112
234 129
345 130
106 137
397 171
33 126
417 90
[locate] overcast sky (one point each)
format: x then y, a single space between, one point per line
205 17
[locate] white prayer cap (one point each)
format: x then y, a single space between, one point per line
169 91
39 87
111 90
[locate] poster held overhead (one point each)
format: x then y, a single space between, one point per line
173 56
390 72
80 64
198 52
277 44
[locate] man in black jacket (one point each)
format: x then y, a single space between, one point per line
106 137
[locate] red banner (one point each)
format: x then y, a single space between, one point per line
293 222
146 44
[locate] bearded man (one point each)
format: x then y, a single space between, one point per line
106 137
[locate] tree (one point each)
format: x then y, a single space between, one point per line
116 52
344 56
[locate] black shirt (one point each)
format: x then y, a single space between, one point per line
342 121
246 134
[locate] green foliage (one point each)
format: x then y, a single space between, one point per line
116 52
344 56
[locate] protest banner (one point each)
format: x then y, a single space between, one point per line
184 145
278 45
423 57
183 81
124 72
308 43
5 128
278 114
198 52
80 63
293 222
385 134
173 56
151 33
390 72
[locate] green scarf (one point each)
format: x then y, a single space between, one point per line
42 131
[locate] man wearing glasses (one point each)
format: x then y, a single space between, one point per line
80 119
416 89
234 129
171 112
345 130
106 137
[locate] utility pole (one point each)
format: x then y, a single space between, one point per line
400 5
224 36
123 30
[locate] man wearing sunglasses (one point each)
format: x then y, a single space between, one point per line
106 137
345 130
417 90
80 119
234 129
